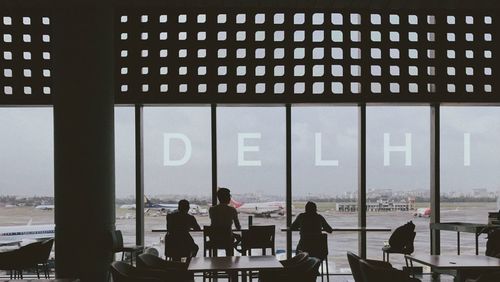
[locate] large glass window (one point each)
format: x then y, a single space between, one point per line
251 162
125 172
325 171
27 166
398 174
469 171
26 174
177 165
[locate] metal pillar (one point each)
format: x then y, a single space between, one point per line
139 176
288 114
83 138
214 153
435 178
362 180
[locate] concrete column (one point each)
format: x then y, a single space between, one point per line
83 137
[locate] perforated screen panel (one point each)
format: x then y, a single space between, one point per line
186 53
25 56
304 55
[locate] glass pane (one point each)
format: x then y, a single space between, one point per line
251 162
398 175
26 176
125 172
469 172
325 171
177 165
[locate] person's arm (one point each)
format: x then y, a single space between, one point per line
325 225
297 223
210 214
168 223
236 220
194 224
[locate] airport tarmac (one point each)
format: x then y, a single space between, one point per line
339 242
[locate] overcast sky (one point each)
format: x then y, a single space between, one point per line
26 150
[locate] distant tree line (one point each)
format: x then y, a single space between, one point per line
26 201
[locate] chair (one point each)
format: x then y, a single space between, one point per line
151 251
296 260
178 248
10 261
118 247
407 249
375 272
122 272
305 271
486 277
354 263
215 239
41 257
30 256
317 246
177 270
258 237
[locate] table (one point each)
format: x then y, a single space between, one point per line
234 263
351 229
165 230
457 264
458 227
43 280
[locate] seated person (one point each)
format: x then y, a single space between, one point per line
310 223
178 241
222 217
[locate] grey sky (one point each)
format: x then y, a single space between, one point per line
26 150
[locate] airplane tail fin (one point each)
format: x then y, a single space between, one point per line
236 204
147 202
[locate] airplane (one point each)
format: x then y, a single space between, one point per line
45 207
14 235
423 212
166 208
259 209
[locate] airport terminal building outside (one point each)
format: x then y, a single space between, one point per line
83 58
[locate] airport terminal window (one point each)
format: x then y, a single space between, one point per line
398 174
26 174
27 166
177 165
125 172
469 171
251 162
325 170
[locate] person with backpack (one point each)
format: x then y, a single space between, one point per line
401 240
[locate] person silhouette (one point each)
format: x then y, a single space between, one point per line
178 241
310 223
222 217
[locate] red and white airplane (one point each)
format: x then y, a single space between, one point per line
260 209
423 212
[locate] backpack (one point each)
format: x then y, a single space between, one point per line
402 238
493 244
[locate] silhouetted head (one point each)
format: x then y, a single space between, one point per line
183 206
224 195
311 207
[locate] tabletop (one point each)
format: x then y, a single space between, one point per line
352 229
165 230
241 263
460 226
456 262
43 280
